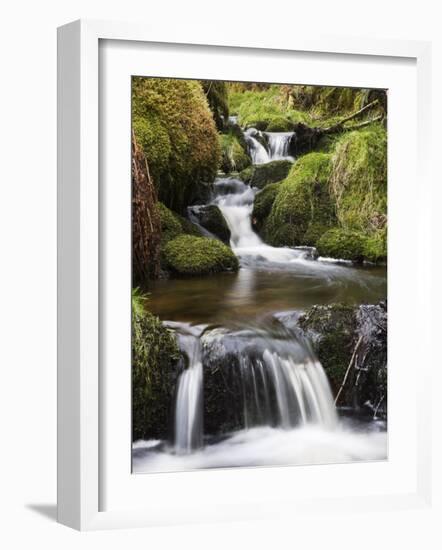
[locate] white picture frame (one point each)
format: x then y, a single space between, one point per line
82 468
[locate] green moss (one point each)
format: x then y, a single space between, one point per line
375 247
234 156
154 357
342 244
263 204
175 128
261 175
303 200
336 325
188 255
170 224
358 179
217 97
265 109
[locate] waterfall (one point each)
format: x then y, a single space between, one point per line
235 200
257 151
273 377
279 145
189 397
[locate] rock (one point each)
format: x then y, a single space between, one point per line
337 332
189 255
261 175
210 217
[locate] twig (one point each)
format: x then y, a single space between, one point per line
353 357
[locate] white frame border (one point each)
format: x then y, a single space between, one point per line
78 260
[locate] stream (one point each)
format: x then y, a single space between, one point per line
275 406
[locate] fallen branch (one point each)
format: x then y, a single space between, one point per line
353 357
339 125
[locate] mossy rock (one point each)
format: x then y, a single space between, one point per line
188 255
358 179
375 247
332 332
173 224
170 224
303 204
210 217
234 155
339 331
154 374
261 175
279 124
342 244
263 205
174 126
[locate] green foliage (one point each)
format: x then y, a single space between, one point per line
359 179
263 204
234 156
265 109
303 200
262 174
217 97
175 128
188 255
154 357
342 244
375 247
139 301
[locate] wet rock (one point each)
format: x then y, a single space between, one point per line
343 335
262 174
210 217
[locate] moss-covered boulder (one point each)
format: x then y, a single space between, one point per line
173 224
154 374
346 336
210 217
261 175
358 179
262 205
303 207
188 255
342 244
234 154
175 128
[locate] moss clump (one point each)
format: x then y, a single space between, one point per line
170 224
332 330
303 201
263 205
175 128
375 247
265 109
188 255
261 175
173 224
234 156
154 358
358 179
342 244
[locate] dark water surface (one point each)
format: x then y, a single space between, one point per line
254 291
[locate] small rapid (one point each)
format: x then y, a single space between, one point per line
235 200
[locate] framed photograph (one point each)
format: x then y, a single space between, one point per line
233 279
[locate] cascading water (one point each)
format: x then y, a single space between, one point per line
189 404
257 151
235 200
279 145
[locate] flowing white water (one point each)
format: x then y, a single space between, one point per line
265 446
189 404
279 144
257 151
236 206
